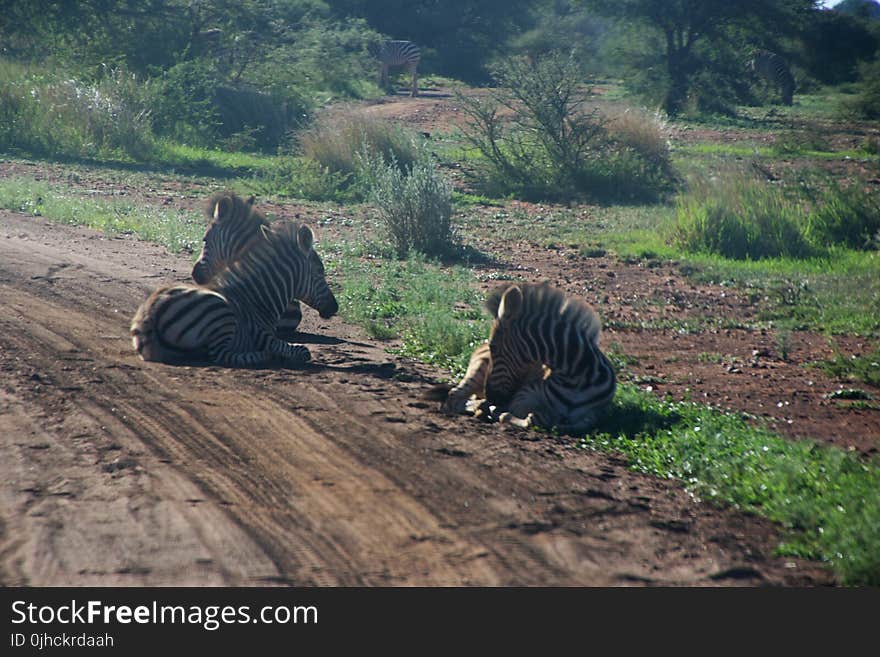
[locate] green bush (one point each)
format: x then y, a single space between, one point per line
414 203
739 217
866 103
49 114
334 141
300 177
847 217
184 108
538 139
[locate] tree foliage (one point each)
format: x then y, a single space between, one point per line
687 27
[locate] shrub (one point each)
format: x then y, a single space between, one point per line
334 141
866 103
847 217
43 113
739 217
184 109
539 140
414 203
299 177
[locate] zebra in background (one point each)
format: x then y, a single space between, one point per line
231 323
774 69
235 225
400 53
541 365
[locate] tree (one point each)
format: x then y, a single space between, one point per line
684 25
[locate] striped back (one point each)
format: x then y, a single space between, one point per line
774 69
538 328
234 226
400 53
279 266
232 321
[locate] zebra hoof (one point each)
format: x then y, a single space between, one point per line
510 418
298 355
479 408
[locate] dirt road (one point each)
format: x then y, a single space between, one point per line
119 472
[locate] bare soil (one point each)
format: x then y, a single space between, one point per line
119 472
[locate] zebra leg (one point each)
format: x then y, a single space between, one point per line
289 322
414 89
293 354
523 423
244 358
528 407
474 383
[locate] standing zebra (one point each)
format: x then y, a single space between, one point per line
232 321
541 364
774 69
400 53
235 225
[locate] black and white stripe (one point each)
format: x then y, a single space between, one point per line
774 69
234 226
404 54
546 366
231 322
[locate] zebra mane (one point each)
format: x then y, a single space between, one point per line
279 240
543 299
242 211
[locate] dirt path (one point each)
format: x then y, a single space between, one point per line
117 472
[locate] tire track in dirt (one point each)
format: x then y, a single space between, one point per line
123 472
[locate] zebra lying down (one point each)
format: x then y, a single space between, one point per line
540 366
235 225
231 320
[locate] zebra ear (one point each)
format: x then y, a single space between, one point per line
223 208
305 238
250 200
511 304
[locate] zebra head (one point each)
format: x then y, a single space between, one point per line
234 225
510 358
311 286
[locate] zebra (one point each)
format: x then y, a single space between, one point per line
400 53
541 364
469 396
774 69
231 322
234 226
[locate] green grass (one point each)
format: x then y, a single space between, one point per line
173 155
827 499
864 368
433 310
176 230
839 294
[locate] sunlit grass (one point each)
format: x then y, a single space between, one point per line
177 230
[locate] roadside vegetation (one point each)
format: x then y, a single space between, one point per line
690 163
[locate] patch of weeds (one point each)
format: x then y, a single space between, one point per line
176 230
432 310
864 368
827 499
850 394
